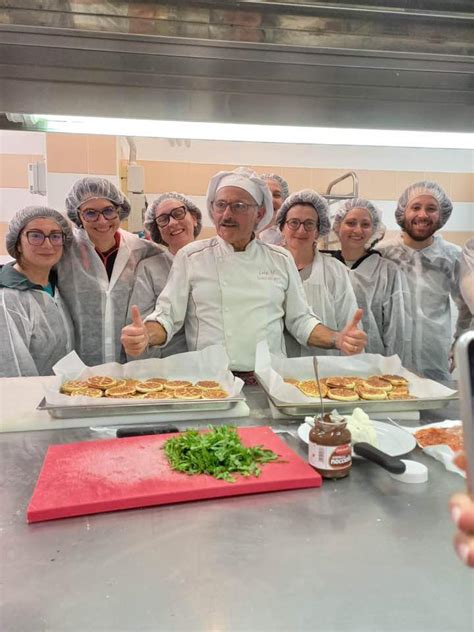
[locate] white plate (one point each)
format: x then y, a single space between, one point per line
390 439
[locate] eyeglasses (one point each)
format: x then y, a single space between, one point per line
236 207
177 213
308 224
37 237
91 215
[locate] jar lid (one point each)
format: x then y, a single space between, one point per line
415 472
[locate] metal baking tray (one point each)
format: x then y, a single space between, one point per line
385 406
144 408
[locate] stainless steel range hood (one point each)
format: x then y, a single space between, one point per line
392 65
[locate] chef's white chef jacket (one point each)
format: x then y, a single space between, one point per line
235 299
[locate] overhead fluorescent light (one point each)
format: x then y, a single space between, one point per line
253 133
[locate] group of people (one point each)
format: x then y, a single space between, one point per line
84 283
87 284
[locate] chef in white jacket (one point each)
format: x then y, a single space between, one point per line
302 219
235 290
96 275
431 265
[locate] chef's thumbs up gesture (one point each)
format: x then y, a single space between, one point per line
351 339
135 336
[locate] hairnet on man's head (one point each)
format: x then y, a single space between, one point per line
425 187
378 227
93 188
282 183
310 197
246 179
25 215
150 214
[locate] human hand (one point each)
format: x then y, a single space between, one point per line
135 338
351 339
462 512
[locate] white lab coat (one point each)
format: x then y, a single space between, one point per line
330 294
433 276
467 275
151 277
271 235
235 299
99 307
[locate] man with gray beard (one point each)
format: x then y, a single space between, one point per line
431 265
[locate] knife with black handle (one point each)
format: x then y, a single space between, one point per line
142 431
371 453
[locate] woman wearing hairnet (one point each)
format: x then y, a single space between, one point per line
172 220
35 327
432 267
380 286
302 219
97 275
280 191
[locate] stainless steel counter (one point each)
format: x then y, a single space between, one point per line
363 554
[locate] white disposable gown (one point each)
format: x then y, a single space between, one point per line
235 299
433 276
151 277
330 295
35 329
99 307
467 275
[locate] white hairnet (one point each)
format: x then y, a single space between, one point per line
150 215
247 179
378 227
283 184
93 188
25 215
306 196
425 187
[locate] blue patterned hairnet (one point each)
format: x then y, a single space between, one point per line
150 215
93 188
425 187
306 196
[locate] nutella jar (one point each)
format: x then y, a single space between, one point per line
329 447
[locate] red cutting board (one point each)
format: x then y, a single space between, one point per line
97 476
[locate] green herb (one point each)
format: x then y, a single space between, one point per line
218 452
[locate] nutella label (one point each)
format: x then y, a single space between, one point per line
329 457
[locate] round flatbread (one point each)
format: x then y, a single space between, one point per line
343 394
206 384
157 395
395 380
87 392
174 384
215 393
188 392
156 380
131 382
366 392
378 382
290 380
336 381
73 385
400 395
310 388
120 391
149 386
101 381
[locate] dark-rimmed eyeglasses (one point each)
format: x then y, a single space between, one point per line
219 206
91 215
177 213
37 237
308 224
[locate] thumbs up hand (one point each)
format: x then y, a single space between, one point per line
135 336
351 339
